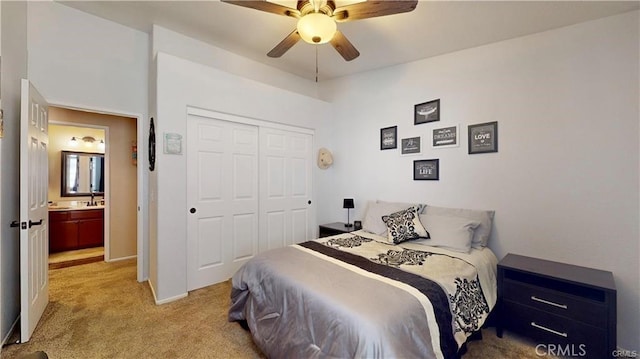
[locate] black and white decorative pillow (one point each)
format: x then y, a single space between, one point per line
404 225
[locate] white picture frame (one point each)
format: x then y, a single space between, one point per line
411 146
172 144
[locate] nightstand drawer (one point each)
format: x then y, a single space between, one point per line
578 308
583 340
331 229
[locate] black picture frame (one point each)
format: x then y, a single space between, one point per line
483 137
426 170
426 112
411 146
389 138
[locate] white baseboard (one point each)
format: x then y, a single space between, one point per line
165 301
13 327
121 258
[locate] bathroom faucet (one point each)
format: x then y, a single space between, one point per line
93 202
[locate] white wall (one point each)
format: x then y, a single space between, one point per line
82 61
181 83
78 58
564 183
14 68
173 43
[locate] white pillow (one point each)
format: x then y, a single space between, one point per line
372 221
454 233
485 218
404 225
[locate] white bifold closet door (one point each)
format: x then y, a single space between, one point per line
248 190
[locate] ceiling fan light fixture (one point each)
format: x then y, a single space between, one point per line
316 28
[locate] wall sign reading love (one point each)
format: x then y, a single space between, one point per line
483 137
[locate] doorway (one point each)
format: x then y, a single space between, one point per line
77 176
116 201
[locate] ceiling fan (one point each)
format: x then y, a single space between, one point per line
317 20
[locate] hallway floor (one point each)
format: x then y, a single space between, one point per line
77 257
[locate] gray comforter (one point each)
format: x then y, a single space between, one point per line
351 297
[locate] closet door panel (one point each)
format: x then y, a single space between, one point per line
222 196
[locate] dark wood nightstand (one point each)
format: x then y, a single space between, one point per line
571 308
331 229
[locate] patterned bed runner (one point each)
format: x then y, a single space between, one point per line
432 290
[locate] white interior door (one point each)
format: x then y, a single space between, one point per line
222 198
286 209
34 230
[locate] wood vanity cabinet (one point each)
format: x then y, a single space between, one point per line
69 230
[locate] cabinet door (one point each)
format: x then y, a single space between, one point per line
90 233
63 236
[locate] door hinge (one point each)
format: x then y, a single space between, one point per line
1 123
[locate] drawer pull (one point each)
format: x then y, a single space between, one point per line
533 324
563 306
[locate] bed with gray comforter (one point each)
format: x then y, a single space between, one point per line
350 296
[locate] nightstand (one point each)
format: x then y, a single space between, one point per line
331 229
567 308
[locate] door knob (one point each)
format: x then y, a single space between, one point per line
309 202
192 210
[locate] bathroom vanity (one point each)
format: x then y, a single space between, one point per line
75 228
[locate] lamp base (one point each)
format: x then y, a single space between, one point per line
348 225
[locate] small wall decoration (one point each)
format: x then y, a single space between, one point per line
389 138
483 138
152 146
426 112
134 153
411 146
426 170
445 137
172 144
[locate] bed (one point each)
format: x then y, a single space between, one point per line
359 295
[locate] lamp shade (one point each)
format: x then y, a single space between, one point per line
348 203
316 28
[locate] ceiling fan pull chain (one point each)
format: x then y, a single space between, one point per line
316 46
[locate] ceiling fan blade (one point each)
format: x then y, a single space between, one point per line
344 47
368 9
266 6
285 44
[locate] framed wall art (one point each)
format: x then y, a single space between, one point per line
389 138
172 143
483 138
426 112
411 146
426 170
445 137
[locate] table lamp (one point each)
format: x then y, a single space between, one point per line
348 204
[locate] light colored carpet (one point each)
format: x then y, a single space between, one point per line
99 310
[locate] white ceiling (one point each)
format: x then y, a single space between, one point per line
433 28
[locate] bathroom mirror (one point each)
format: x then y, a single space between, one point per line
82 174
